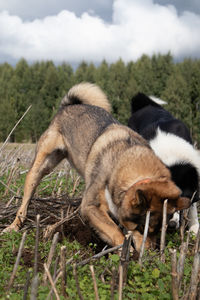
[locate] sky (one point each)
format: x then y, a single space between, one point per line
92 30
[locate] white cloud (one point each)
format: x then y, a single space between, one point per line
137 27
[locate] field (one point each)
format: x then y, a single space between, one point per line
39 263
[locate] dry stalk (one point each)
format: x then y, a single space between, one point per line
146 228
63 269
98 255
14 128
181 262
51 282
112 284
17 261
51 254
125 254
94 282
163 232
120 288
13 192
184 223
34 288
27 284
54 281
175 289
36 246
52 228
197 242
194 277
77 282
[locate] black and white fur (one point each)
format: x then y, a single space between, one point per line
171 141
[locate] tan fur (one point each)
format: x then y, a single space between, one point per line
88 94
110 157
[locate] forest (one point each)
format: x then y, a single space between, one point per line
43 84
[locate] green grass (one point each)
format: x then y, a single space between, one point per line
152 280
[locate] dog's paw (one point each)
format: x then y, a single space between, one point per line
194 229
10 228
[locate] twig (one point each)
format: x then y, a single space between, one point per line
77 283
174 275
194 277
51 282
98 255
27 284
17 261
112 284
8 187
36 246
14 128
181 262
163 232
183 223
120 288
52 228
144 236
63 269
125 254
54 281
94 282
51 254
34 287
197 242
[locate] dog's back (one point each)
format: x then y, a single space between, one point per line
171 141
147 116
82 117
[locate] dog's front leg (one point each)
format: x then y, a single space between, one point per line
47 157
98 218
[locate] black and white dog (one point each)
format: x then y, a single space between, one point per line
171 141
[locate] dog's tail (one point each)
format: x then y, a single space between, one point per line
86 93
141 100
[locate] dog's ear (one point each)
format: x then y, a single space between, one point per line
168 190
183 203
156 192
141 198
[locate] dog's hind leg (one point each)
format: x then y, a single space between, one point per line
49 152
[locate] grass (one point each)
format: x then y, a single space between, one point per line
151 280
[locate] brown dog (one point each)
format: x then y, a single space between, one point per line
122 174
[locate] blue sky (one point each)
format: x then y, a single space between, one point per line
93 30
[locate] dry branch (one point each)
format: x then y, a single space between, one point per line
98 255
14 128
94 282
163 232
125 254
36 246
175 288
77 282
120 288
113 282
194 277
63 269
51 282
46 207
146 228
17 261
181 261
27 284
34 288
51 253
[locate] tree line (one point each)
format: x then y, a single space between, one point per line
43 84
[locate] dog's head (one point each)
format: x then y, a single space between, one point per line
150 195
